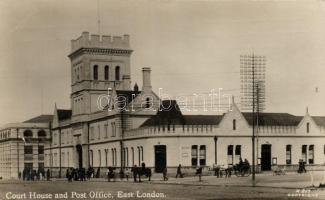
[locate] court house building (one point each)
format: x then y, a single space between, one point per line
112 123
156 132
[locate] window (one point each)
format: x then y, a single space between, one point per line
62 159
98 132
132 151
113 129
127 156
113 157
63 134
141 153
234 124
75 72
288 154
311 154
237 153
230 154
41 136
202 155
28 134
117 73
307 127
106 157
139 156
40 149
304 153
106 72
68 159
28 149
106 130
54 138
92 133
147 102
194 155
99 158
91 157
95 72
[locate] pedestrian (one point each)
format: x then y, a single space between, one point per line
121 175
199 172
179 171
165 174
134 171
48 175
127 173
108 173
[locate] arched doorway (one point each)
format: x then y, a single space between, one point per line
79 152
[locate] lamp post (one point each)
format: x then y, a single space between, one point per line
215 149
18 152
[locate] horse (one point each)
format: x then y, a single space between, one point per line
142 171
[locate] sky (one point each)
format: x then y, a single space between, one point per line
191 47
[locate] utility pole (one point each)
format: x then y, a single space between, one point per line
253 96
253 138
122 139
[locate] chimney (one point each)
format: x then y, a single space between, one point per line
146 86
136 88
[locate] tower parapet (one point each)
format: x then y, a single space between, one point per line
100 41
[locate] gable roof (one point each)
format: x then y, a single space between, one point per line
169 113
319 120
128 94
273 119
40 119
64 114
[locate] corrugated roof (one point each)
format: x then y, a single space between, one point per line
274 119
203 119
64 114
40 119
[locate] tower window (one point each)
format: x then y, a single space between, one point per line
307 127
96 72
234 124
106 72
117 73
147 102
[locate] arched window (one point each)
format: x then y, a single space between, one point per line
95 72
28 133
147 102
132 151
117 73
41 135
106 72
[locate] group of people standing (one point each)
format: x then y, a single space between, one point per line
80 174
33 175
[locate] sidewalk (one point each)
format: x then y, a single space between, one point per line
289 181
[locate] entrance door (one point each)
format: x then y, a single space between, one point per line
79 152
160 158
266 157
